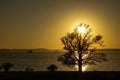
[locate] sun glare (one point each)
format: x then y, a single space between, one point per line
84 68
81 29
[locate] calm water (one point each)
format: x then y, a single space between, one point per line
40 60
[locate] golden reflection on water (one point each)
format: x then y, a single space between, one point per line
84 68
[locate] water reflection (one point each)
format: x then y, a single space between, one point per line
84 68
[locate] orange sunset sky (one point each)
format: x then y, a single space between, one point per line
41 23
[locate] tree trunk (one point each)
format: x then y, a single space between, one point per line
80 63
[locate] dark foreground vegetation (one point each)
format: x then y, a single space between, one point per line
60 75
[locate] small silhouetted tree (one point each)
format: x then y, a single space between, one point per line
28 69
79 43
6 66
52 67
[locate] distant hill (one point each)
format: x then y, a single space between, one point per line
46 50
109 49
24 50
41 50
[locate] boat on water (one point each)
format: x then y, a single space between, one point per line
29 51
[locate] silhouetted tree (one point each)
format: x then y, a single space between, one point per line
81 47
52 67
6 66
28 69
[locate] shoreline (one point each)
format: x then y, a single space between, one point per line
60 75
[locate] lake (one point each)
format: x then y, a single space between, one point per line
39 61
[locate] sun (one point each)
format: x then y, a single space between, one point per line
81 29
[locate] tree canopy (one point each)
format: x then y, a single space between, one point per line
81 47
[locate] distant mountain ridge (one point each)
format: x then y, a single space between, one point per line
47 50
109 49
33 50
40 49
